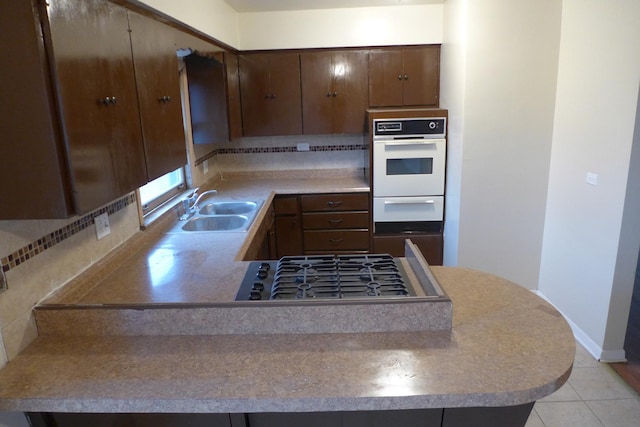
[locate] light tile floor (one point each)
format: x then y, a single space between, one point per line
594 396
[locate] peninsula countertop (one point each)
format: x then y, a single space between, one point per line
506 347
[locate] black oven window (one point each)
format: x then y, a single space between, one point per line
411 166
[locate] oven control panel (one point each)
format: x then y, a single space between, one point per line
430 127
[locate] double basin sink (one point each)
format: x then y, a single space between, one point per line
216 216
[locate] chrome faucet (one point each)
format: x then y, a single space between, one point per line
191 206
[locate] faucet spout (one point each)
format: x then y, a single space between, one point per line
191 206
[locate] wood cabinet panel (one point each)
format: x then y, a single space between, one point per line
233 95
334 91
335 202
31 132
337 220
270 93
336 240
408 76
97 92
431 245
156 72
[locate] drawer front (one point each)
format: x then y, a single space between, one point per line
335 202
329 240
286 205
419 208
337 220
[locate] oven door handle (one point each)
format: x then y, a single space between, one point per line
409 202
415 142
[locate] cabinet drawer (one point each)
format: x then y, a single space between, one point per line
286 205
319 240
331 220
335 202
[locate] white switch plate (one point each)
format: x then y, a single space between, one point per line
102 225
205 166
302 146
592 178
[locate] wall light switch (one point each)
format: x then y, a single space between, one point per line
102 225
205 166
3 280
302 146
592 178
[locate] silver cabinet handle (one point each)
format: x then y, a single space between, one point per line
414 142
410 202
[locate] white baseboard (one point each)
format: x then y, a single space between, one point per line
606 356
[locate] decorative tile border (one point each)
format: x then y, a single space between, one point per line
286 149
50 240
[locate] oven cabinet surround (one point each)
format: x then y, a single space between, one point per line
408 76
314 224
270 93
84 127
334 91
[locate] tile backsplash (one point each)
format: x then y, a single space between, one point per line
49 240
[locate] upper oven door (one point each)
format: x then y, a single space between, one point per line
408 167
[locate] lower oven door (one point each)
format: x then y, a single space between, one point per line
412 167
408 209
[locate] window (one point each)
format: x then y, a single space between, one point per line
161 190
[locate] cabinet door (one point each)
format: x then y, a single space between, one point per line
334 91
156 71
421 76
286 101
316 70
32 148
350 74
270 92
255 94
98 99
233 96
385 77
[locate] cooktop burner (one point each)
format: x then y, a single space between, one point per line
326 277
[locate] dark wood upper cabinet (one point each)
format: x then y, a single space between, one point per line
98 98
233 95
156 73
32 151
87 122
270 93
208 100
334 91
408 76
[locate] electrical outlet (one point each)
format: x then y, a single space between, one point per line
102 225
302 146
592 178
3 280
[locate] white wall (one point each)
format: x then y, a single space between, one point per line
452 96
597 97
505 56
213 17
365 26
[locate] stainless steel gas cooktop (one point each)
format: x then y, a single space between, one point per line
337 277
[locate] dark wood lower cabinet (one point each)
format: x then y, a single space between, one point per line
506 416
431 245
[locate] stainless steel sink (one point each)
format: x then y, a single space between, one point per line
215 223
220 216
227 208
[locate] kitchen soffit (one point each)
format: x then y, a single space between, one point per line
243 6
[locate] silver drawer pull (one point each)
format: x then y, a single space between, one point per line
415 142
411 202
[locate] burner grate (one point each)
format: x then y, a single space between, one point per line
342 276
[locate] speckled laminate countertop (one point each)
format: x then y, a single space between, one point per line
506 346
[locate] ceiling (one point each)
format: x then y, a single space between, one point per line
278 5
